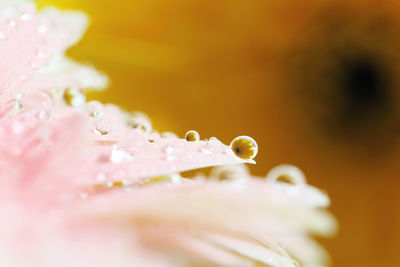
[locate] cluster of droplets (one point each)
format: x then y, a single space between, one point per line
244 147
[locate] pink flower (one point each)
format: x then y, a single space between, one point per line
87 184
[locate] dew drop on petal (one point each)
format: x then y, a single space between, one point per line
286 174
229 172
119 156
244 147
139 120
104 127
153 137
192 136
35 100
95 109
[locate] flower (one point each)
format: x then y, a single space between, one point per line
87 184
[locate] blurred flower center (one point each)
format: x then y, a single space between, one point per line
345 71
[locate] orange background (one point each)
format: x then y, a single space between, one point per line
219 67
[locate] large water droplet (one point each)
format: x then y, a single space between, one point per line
192 136
244 147
287 174
35 100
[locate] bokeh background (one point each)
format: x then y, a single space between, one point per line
316 83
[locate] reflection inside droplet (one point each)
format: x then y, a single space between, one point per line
244 147
192 136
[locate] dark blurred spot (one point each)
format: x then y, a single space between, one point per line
345 78
364 93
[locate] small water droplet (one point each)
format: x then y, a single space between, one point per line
192 136
94 109
22 76
104 127
154 137
287 174
139 120
244 147
229 172
120 155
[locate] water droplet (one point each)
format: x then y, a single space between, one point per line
120 155
229 172
95 109
74 97
244 147
139 120
103 127
192 136
287 174
35 100
22 76
153 137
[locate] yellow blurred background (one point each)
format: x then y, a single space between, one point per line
316 83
